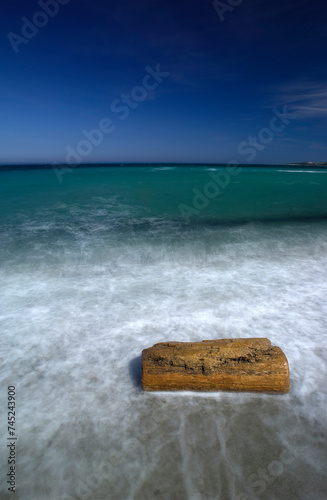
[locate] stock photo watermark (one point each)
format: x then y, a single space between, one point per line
211 190
11 439
121 107
31 27
267 134
265 476
222 7
221 179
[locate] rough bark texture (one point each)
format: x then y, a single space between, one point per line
214 365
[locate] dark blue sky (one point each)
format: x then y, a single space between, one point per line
227 70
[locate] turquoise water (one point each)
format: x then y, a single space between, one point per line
114 259
140 193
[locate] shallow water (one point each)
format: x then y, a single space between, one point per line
89 280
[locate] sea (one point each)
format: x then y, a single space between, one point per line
99 262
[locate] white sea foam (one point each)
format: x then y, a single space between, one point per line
304 171
78 309
163 168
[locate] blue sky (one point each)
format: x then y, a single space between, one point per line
226 70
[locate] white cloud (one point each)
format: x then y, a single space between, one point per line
307 98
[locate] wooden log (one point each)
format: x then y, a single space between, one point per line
251 364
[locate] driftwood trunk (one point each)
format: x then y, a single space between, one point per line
215 365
